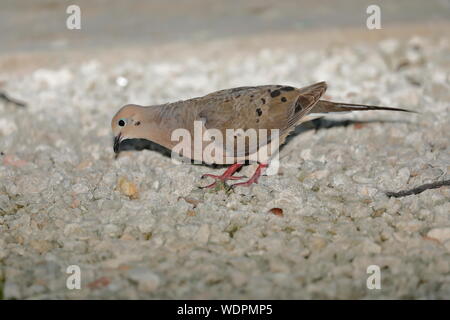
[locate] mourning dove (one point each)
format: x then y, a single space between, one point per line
273 108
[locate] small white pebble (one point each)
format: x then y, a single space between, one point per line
121 81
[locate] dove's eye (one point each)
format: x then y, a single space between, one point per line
122 122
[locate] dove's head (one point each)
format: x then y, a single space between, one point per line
128 123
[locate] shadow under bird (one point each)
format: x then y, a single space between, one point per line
277 108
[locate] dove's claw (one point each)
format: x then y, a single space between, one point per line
209 185
253 179
227 175
222 177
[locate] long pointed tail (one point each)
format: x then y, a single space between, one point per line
323 106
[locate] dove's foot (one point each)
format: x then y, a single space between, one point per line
227 175
254 178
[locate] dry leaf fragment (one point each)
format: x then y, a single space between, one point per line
128 188
277 211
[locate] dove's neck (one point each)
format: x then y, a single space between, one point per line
162 120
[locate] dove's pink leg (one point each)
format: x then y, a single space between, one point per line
254 178
227 175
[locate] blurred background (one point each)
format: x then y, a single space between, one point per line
36 26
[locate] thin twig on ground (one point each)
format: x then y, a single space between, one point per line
5 97
418 189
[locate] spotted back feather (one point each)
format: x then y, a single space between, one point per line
262 107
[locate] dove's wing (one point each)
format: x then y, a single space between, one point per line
263 107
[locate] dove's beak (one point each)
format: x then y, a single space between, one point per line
117 141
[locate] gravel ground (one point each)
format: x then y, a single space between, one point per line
139 227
